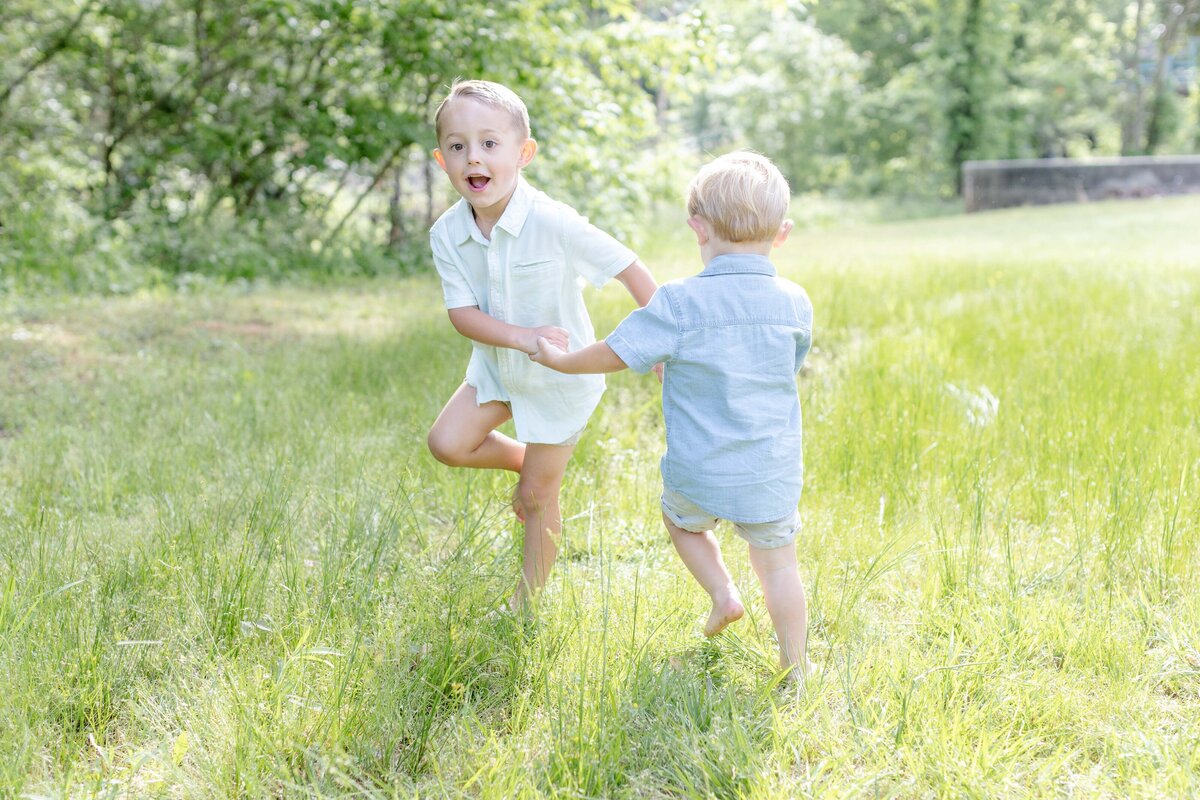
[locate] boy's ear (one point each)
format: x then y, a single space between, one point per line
701 228
784 229
528 151
441 159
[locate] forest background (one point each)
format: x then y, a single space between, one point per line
149 142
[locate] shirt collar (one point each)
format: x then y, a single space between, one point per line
463 223
511 221
517 210
732 263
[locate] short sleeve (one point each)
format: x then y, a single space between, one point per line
591 252
455 288
804 333
648 335
803 343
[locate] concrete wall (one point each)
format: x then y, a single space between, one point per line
1037 181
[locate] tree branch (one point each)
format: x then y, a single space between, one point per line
370 188
56 46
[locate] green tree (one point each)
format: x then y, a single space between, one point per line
950 80
781 86
314 111
1175 21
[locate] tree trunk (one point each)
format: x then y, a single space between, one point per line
396 234
427 163
375 179
965 112
1132 130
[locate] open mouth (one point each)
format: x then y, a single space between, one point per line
478 182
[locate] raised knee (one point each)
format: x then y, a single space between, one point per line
443 449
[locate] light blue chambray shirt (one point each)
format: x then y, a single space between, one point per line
732 340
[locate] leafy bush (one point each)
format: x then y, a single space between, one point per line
48 244
227 247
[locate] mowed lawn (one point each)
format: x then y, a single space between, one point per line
229 567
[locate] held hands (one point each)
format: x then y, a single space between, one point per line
558 337
547 353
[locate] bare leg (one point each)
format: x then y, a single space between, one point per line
701 553
464 434
541 480
784 592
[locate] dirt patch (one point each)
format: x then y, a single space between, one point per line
43 352
44 333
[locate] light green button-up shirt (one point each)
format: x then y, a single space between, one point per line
528 274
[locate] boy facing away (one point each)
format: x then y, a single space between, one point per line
733 339
510 259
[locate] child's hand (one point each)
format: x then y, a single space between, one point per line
547 353
554 335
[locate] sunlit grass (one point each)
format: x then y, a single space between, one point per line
229 567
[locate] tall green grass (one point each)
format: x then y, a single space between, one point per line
228 567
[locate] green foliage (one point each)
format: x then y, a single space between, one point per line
785 88
307 113
53 246
297 133
891 97
1059 99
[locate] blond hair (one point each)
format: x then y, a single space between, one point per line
488 93
742 195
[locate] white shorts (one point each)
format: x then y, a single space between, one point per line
570 441
763 535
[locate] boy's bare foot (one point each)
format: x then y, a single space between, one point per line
512 614
796 675
724 612
516 605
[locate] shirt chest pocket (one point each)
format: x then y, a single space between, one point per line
535 291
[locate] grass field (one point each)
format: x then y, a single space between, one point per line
228 566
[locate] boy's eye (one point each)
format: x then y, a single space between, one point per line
490 143
456 147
